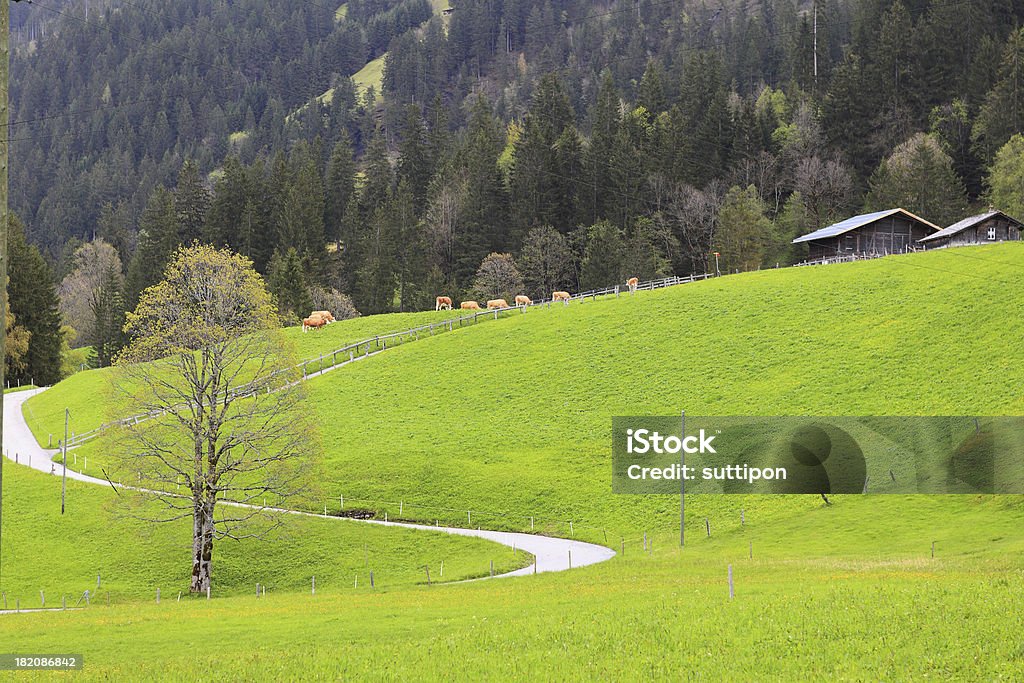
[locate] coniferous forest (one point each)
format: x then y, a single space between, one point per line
567 144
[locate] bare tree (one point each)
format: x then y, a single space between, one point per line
80 289
498 278
224 421
545 261
825 186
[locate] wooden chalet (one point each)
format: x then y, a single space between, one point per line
991 226
893 231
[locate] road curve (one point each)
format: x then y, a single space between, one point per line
553 554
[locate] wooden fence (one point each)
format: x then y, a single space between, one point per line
349 353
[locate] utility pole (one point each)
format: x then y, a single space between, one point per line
815 46
64 461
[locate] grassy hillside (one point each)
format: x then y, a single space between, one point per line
61 555
528 400
518 413
84 392
843 592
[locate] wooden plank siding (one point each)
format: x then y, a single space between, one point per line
893 234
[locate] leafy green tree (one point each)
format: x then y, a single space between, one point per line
744 232
918 176
603 262
1006 178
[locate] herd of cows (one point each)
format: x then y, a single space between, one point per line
445 302
318 319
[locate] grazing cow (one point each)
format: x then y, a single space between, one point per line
523 300
497 303
560 296
469 306
326 315
443 302
313 322
632 283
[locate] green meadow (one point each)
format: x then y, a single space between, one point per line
507 424
62 555
848 591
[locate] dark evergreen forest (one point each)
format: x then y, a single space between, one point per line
590 141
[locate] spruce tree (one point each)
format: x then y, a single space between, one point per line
191 203
35 306
340 186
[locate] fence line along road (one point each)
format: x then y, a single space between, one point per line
350 353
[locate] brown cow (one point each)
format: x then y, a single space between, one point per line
523 300
561 296
443 302
469 306
314 322
497 303
632 283
326 315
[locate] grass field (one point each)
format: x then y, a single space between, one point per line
62 555
528 400
83 392
21 388
848 591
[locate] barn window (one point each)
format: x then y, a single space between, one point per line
991 233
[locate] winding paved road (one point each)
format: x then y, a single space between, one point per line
553 554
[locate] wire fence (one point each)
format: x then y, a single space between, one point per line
353 352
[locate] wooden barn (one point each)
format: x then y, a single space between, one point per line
991 226
884 232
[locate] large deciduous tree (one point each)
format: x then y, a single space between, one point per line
918 176
206 365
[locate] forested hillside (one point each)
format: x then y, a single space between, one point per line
590 141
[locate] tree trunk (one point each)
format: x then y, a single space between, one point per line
202 546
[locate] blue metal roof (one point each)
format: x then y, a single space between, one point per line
856 222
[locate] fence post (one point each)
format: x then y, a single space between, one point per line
731 592
371 579
314 584
158 596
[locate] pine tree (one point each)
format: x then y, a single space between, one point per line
158 238
226 223
191 203
483 220
35 306
604 124
287 282
603 259
301 222
415 164
545 262
340 186
1002 114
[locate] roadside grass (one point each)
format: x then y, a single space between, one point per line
847 592
25 387
62 555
